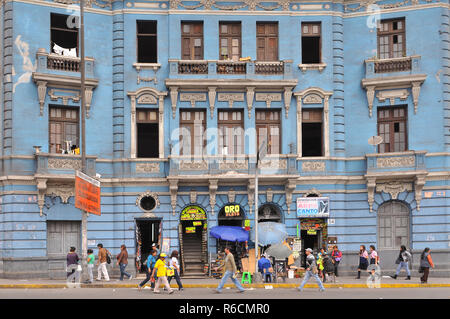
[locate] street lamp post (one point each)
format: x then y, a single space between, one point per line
84 242
261 154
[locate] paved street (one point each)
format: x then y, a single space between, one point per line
208 293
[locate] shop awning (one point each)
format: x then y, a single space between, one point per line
229 233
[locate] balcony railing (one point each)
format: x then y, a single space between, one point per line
406 64
55 62
269 68
222 67
231 67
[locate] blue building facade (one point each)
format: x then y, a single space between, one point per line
179 96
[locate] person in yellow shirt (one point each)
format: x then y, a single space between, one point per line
161 272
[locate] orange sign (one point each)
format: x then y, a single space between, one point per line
87 193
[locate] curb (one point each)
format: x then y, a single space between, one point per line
292 286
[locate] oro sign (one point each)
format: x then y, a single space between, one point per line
87 193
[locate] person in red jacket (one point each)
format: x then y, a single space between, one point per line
336 257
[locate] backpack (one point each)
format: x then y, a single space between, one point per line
108 257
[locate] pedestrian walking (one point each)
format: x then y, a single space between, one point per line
173 263
154 247
151 261
363 260
90 265
425 264
403 260
311 271
72 263
328 266
336 257
320 263
122 262
374 258
230 272
161 271
101 263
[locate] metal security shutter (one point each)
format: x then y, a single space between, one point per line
61 235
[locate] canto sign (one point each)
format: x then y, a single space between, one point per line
313 207
87 193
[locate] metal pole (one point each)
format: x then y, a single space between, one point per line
84 242
256 219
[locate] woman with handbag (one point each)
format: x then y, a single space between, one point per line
311 271
363 260
403 262
425 263
336 257
173 264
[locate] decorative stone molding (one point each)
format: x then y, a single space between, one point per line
371 184
230 98
269 195
251 5
289 188
42 187
400 161
391 95
313 66
312 99
148 194
64 163
173 187
212 100
174 99
413 81
193 196
268 98
287 100
147 95
231 196
147 167
313 166
192 98
419 182
273 164
250 97
213 185
394 188
193 165
63 191
146 66
88 99
312 95
42 90
75 97
225 165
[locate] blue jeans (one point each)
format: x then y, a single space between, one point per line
229 274
123 272
403 264
309 274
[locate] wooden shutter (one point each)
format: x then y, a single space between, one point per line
267 41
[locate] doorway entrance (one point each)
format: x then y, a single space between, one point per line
314 235
148 232
193 240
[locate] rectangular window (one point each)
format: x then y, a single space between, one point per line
192 40
192 135
311 43
146 41
147 133
312 132
231 132
230 40
63 38
267 41
392 128
63 130
391 39
268 127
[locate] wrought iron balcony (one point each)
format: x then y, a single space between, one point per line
50 61
409 64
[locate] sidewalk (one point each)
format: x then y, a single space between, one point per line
341 282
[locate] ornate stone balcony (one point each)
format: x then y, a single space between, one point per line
404 64
241 69
50 61
63 164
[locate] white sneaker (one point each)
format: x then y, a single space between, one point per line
130 277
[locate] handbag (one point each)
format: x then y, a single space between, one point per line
398 261
170 272
421 270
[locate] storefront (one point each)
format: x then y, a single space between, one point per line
313 213
148 232
231 214
193 239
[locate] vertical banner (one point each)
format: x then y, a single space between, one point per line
87 193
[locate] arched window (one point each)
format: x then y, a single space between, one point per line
393 225
269 213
